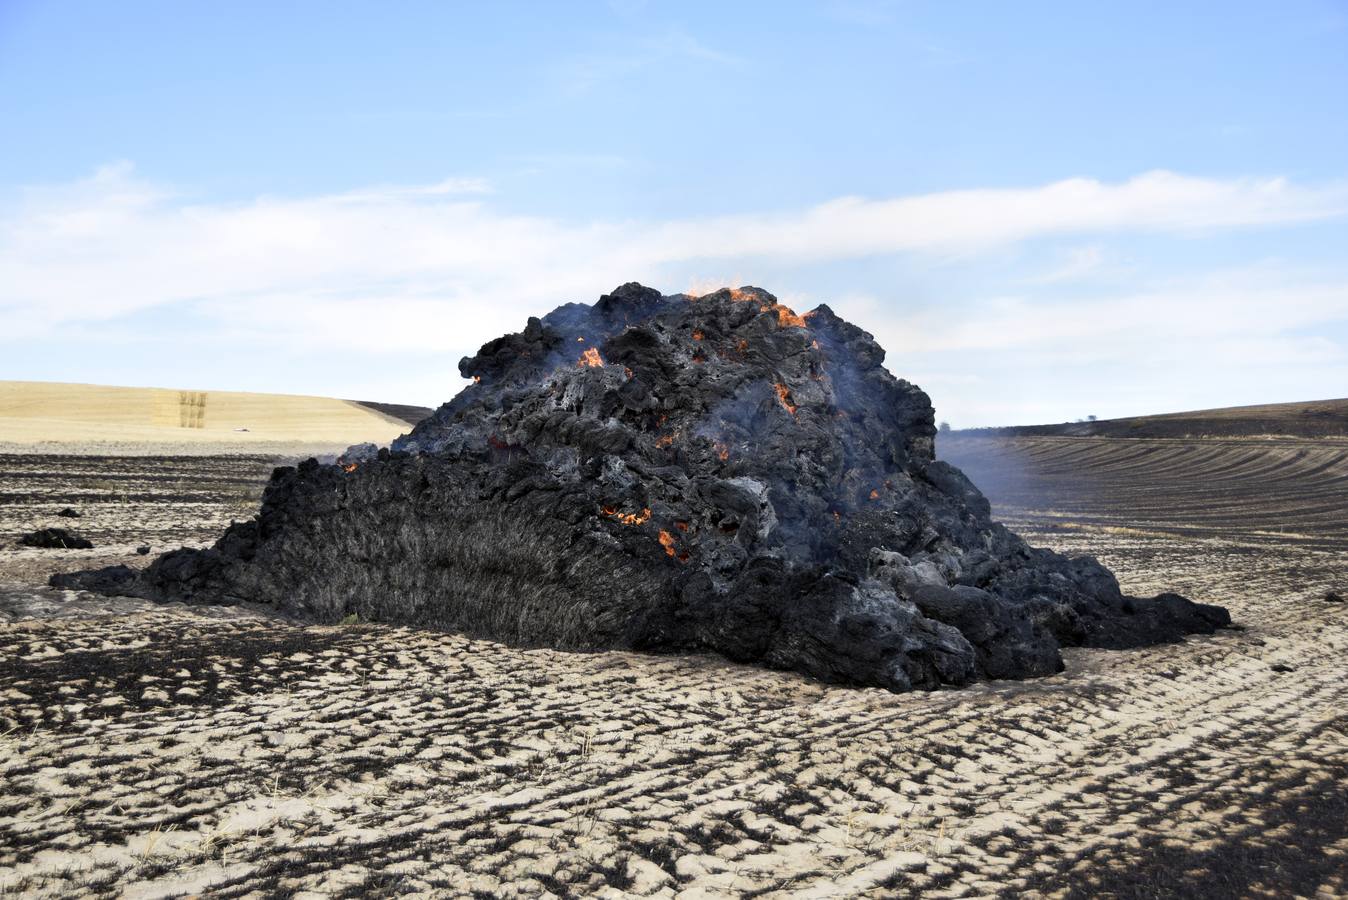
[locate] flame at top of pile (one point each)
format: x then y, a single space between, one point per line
730 385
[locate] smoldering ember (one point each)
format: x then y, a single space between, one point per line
675 473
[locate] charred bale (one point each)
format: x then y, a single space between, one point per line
678 473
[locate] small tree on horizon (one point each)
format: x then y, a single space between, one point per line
943 427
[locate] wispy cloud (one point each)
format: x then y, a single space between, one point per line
1078 262
436 270
1263 300
1255 334
955 220
389 193
626 55
417 258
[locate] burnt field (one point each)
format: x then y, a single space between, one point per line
1314 419
1235 492
125 503
169 750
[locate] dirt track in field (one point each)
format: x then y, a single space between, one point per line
153 751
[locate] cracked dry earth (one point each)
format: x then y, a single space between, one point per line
166 750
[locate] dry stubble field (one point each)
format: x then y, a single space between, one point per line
163 751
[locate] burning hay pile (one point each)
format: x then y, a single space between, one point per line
676 473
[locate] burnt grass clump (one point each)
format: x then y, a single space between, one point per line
56 539
675 473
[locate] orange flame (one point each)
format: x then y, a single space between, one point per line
628 518
664 440
786 316
742 345
667 541
814 345
698 335
477 379
590 357
784 397
682 526
875 495
350 468
722 451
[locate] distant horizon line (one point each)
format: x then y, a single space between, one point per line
432 408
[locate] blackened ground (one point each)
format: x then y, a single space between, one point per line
1315 419
1254 491
170 750
123 503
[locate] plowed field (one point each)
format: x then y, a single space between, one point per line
164 750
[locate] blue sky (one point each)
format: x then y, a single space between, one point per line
1043 210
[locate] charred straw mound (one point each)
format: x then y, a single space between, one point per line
677 473
55 539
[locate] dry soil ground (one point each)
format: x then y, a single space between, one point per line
155 751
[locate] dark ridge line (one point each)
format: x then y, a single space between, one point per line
1309 418
403 412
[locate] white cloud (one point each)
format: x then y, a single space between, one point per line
622 56
1258 334
1079 261
958 220
114 245
1264 301
435 270
1242 302
387 193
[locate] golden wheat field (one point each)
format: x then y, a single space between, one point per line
153 751
66 418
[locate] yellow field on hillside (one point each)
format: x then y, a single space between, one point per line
35 412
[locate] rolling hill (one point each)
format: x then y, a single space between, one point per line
84 414
1317 418
1246 475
